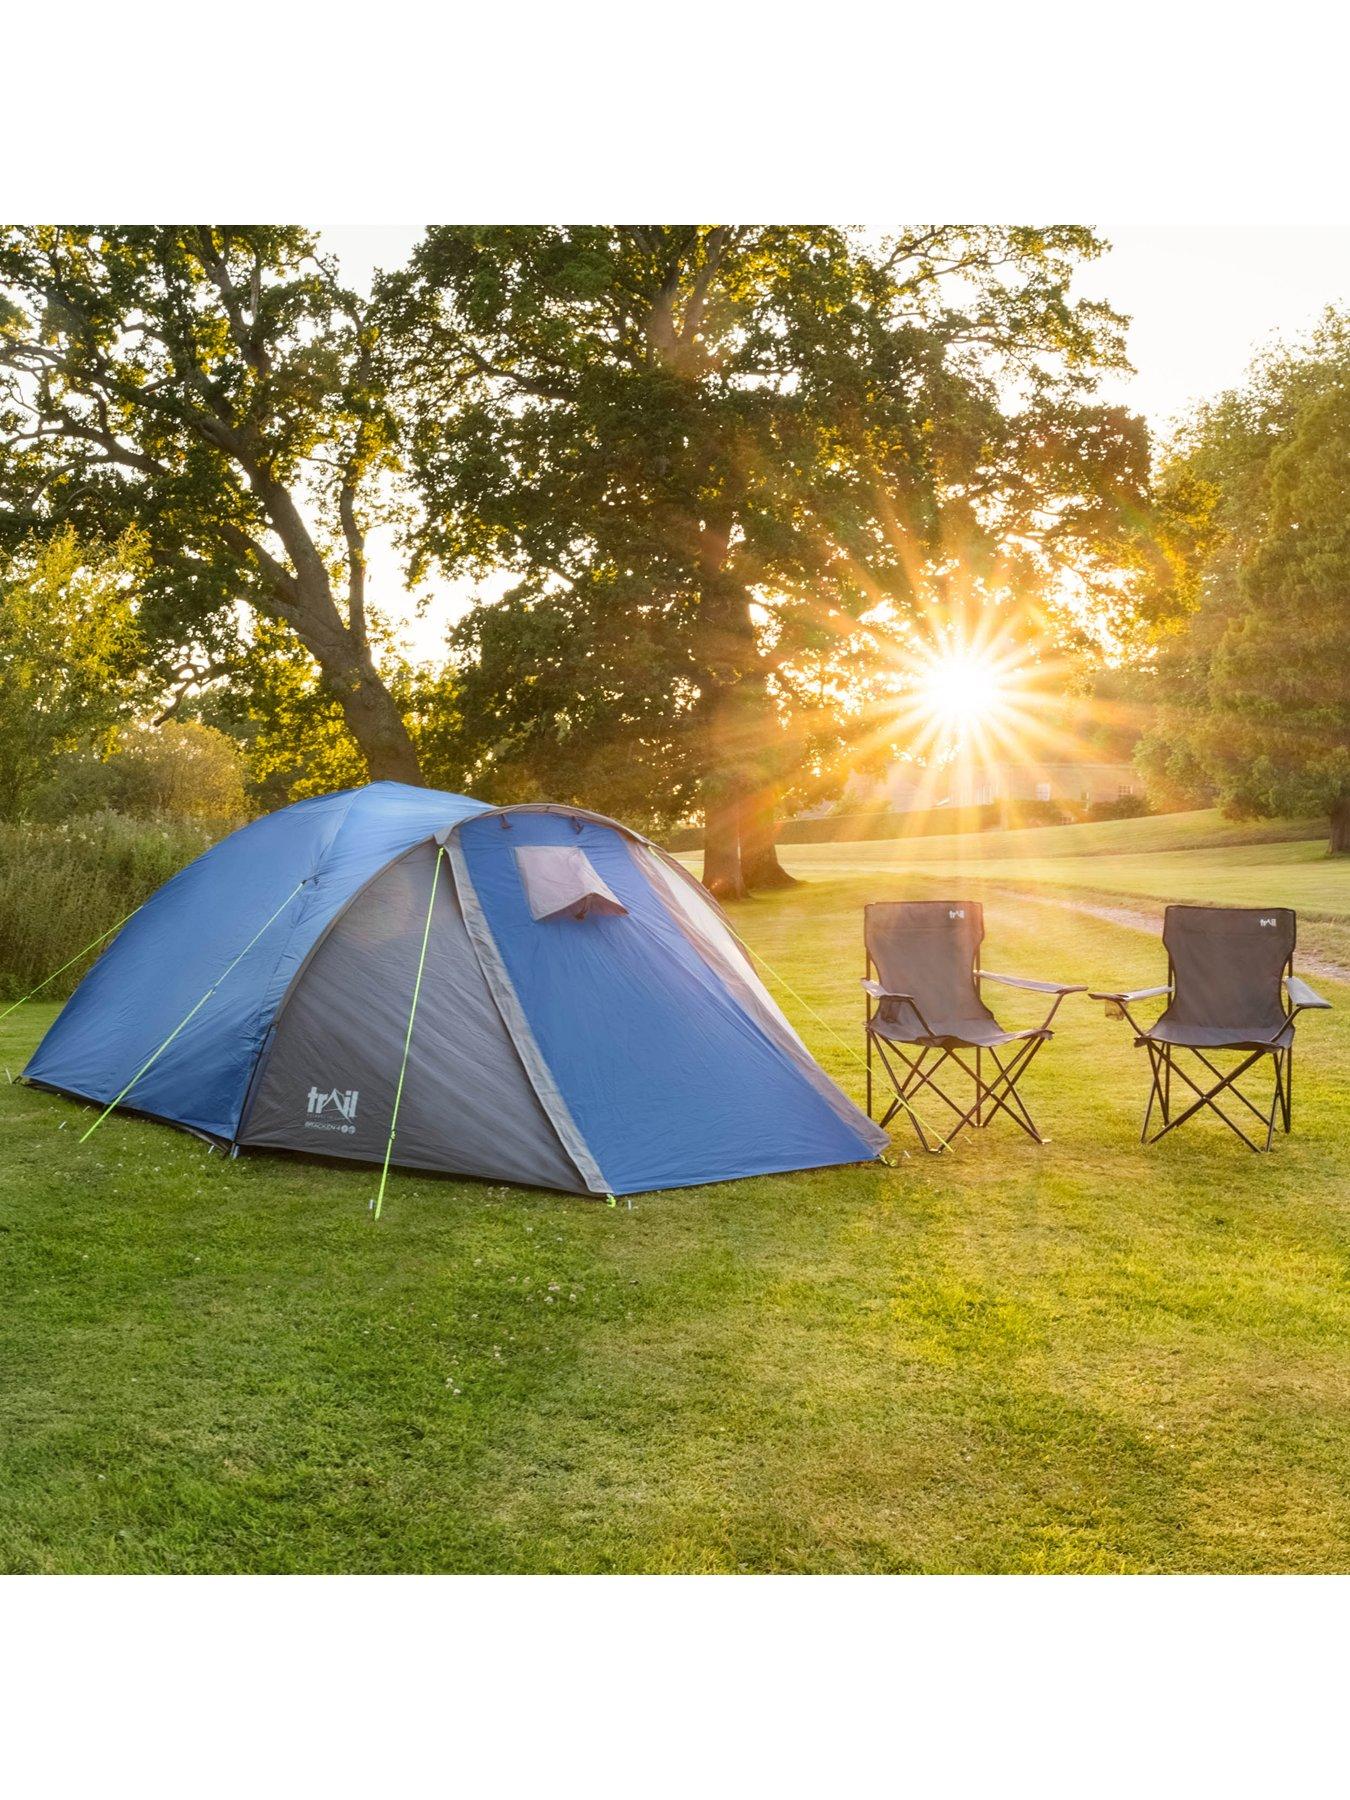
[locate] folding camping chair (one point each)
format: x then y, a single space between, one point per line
926 1012
1225 969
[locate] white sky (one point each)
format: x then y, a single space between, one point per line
1202 300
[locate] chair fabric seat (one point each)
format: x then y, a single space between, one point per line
1218 1037
951 1034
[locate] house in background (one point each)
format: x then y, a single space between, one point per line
973 782
1074 783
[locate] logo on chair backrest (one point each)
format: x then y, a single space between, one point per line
1270 922
956 912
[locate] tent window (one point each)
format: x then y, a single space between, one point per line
560 882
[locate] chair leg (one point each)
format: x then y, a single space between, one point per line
1207 1097
1276 1099
1001 1095
1004 1092
1011 1076
1157 1057
990 1096
917 1077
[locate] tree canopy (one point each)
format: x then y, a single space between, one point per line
718 486
219 388
734 473
1253 620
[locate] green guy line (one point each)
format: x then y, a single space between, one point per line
155 1056
407 1040
74 959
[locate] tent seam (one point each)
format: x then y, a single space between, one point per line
502 989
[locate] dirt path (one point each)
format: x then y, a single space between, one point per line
1144 918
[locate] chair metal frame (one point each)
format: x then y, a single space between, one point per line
1164 1064
990 1096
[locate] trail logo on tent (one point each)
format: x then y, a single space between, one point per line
342 1104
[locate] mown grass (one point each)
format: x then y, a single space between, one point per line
1082 1357
1178 856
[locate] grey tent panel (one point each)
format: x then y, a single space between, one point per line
503 992
328 1083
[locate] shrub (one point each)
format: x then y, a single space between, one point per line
1128 806
61 885
68 653
177 771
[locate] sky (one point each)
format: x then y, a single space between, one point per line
1202 301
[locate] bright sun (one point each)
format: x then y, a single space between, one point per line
961 688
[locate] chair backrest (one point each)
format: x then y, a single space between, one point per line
1227 963
928 948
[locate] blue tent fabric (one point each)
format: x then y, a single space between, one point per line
669 1081
186 934
654 1071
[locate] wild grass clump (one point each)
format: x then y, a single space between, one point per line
62 885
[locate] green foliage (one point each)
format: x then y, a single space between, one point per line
61 886
1254 665
174 770
1125 806
736 471
294 735
219 389
69 647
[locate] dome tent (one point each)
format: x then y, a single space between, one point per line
536 993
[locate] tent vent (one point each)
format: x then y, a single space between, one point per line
560 882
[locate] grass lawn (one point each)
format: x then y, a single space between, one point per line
1144 862
1082 1357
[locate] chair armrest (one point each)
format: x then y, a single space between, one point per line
1301 995
1153 993
875 989
1034 987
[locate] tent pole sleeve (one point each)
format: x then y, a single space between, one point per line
156 1054
407 1039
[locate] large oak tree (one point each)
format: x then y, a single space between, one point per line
732 471
218 388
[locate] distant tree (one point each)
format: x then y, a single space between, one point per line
1253 621
69 657
219 388
733 471
177 770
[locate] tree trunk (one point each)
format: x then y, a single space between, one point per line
1340 827
722 874
340 647
760 867
738 832
377 725
350 676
